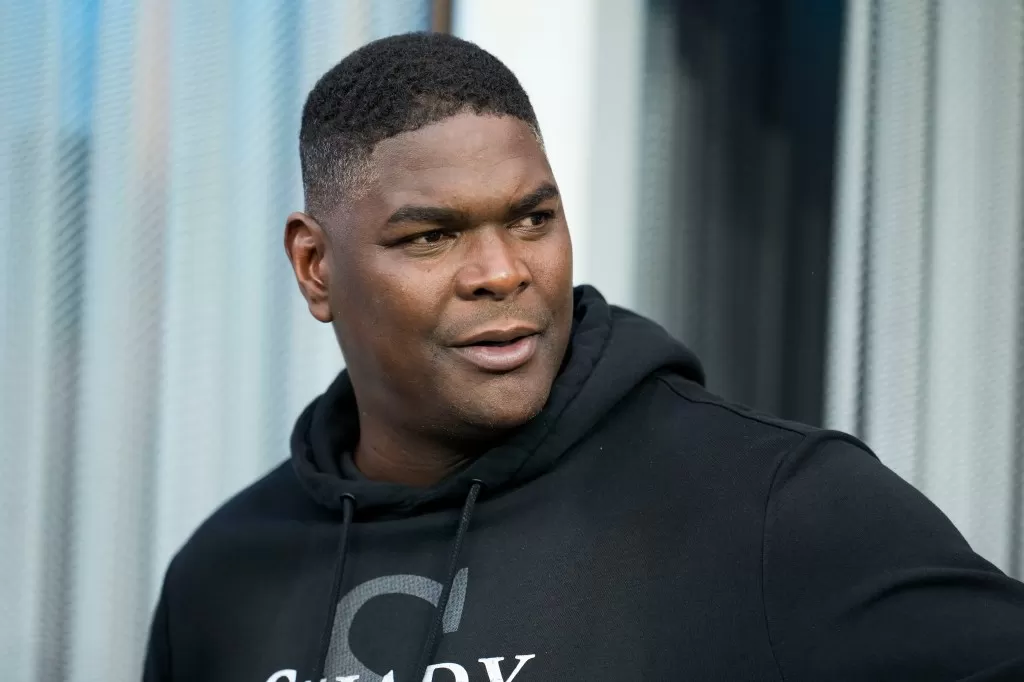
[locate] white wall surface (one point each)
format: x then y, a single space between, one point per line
581 63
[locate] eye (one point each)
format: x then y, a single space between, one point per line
535 220
432 237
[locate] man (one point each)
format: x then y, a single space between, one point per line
514 480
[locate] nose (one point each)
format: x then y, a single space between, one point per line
494 268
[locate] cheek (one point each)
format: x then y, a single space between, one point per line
393 303
363 307
554 262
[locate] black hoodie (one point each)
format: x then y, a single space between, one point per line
638 529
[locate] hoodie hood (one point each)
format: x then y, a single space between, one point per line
611 351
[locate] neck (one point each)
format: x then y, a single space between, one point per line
384 454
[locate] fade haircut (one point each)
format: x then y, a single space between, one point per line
390 86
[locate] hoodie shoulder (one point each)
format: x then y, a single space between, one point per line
213 585
698 433
274 503
697 395
276 496
689 432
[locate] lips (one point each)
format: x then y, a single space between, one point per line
499 350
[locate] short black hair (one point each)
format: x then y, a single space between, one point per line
390 86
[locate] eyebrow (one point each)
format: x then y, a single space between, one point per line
427 214
533 199
449 216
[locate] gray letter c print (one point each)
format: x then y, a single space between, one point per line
341 660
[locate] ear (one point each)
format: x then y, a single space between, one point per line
306 246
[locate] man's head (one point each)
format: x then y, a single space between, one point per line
434 238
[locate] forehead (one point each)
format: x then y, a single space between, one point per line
468 160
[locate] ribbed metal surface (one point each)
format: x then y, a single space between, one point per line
154 349
930 198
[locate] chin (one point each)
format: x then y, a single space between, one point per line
506 420
503 412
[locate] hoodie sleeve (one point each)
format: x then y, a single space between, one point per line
865 579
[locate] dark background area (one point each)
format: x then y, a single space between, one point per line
751 188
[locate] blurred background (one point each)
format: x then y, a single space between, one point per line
824 199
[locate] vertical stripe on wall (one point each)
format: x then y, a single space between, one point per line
926 338
155 350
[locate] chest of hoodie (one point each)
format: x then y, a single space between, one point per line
618 562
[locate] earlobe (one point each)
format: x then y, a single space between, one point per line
306 246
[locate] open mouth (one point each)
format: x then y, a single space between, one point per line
500 356
500 344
